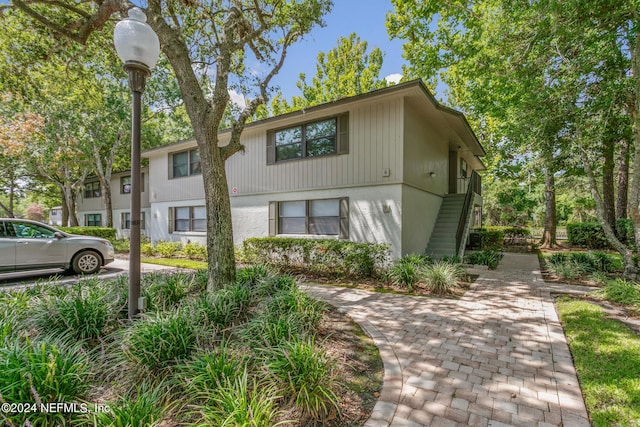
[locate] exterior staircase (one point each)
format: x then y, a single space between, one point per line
443 238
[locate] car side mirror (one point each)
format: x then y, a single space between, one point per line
58 235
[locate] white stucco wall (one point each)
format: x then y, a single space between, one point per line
374 215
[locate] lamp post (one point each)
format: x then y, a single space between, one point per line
138 47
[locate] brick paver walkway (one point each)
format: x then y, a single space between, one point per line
496 357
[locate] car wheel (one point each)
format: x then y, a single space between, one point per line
86 262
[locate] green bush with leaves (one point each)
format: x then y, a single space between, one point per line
167 249
319 256
194 250
85 312
13 314
621 291
147 249
43 371
165 291
253 275
587 234
157 341
489 258
242 401
303 373
405 274
207 371
442 277
221 308
104 232
146 408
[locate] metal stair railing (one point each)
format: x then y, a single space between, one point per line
474 186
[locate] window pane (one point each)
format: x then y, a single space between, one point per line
286 152
199 212
125 183
182 219
181 164
126 220
195 162
319 129
199 225
182 213
325 208
320 147
292 226
324 225
293 209
289 136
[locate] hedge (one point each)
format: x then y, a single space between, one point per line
493 238
104 232
319 256
590 234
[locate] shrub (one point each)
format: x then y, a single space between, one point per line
621 291
224 306
42 372
603 262
487 257
295 301
13 313
254 274
84 313
209 370
164 291
147 408
442 277
625 232
274 284
238 403
268 330
570 269
121 245
587 234
304 375
194 250
167 249
404 274
491 239
147 249
158 341
104 232
319 256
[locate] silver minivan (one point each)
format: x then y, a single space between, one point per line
31 245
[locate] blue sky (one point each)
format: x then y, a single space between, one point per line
366 18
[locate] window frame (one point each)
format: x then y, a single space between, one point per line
122 184
193 167
173 219
92 190
125 223
340 139
275 218
87 220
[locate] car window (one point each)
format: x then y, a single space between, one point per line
2 232
31 231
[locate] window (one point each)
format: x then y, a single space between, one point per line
28 230
187 218
313 139
92 189
185 163
93 220
125 221
326 217
125 185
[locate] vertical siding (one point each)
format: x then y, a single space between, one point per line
375 139
426 150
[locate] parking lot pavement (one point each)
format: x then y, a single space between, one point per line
29 278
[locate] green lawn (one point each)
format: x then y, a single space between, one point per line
176 262
607 357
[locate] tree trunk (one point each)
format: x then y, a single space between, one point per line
65 210
608 192
623 180
108 205
549 233
220 255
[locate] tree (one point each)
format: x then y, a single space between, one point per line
216 41
560 76
346 70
